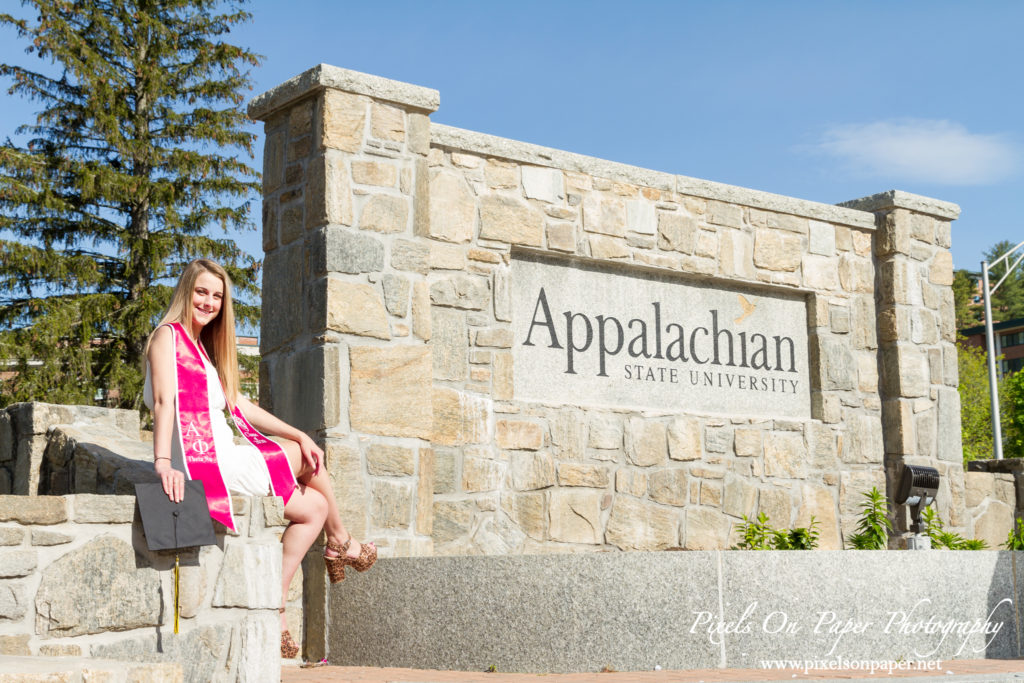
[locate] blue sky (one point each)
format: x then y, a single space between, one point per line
826 101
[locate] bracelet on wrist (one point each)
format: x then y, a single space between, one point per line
162 457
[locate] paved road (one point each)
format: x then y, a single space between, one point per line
962 671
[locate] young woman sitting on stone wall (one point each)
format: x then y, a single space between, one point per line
191 378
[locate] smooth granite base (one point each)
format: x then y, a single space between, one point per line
677 610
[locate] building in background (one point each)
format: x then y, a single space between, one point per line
246 346
1009 341
250 384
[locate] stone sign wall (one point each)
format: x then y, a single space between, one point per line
404 262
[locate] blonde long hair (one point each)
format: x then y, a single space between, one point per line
218 337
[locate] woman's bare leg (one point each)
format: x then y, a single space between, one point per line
306 510
321 482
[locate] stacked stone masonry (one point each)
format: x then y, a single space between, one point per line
916 334
388 334
68 669
26 469
993 498
76 580
387 330
63 557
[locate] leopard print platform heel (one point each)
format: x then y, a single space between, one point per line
336 565
289 649
367 556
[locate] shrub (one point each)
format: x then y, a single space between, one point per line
1015 539
947 539
758 534
873 527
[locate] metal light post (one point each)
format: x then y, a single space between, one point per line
993 392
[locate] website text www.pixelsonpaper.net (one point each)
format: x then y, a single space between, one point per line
843 664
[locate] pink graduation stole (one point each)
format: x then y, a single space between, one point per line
195 430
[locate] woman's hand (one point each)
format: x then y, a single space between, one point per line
312 454
172 479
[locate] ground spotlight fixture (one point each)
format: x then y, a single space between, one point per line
917 488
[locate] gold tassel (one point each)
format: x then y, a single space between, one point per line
176 592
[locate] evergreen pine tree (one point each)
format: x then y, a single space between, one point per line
968 313
131 161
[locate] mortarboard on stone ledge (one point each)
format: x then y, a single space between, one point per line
171 526
168 525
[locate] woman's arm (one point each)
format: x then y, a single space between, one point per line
162 370
273 426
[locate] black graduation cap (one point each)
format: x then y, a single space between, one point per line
172 526
169 525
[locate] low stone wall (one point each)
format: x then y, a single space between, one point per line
76 579
24 437
993 497
56 450
84 459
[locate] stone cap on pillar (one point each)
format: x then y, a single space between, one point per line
323 76
898 199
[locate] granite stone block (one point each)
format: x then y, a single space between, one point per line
97 509
259 656
538 613
199 651
631 339
17 563
246 577
867 605
33 509
11 535
700 609
74 592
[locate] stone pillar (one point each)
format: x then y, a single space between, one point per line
917 356
345 303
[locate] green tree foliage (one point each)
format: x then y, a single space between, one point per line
968 313
1008 301
1011 414
131 160
975 410
975 407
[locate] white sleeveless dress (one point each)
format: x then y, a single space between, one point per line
242 466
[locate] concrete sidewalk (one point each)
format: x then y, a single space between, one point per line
959 671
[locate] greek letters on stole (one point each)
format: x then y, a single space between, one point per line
195 429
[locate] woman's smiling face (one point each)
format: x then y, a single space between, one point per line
207 296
